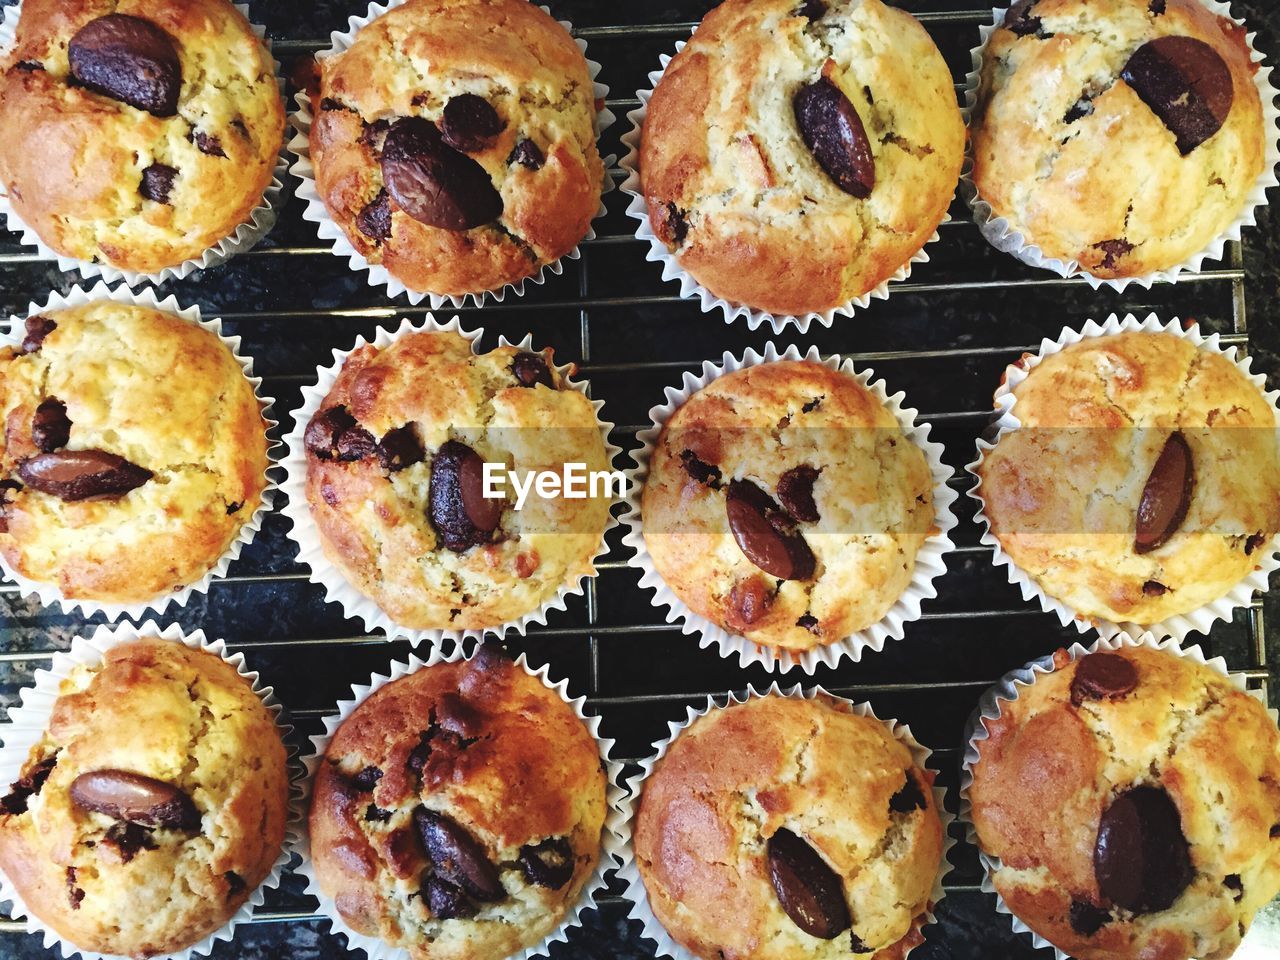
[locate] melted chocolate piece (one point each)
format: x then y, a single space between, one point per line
434 183
1103 676
834 134
1186 84
765 534
128 59
808 890
50 428
157 182
469 123
82 474
457 507
1141 858
130 796
1166 497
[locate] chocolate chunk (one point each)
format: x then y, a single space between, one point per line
8 491
1020 21
531 369
812 405
699 470
1154 588
1086 919
809 622
131 796
1186 84
795 491
459 718
208 144
27 786
1166 497
235 884
374 133
1141 858
445 900
400 448
550 863
457 857
1078 111
329 104
366 779
1275 831
50 428
808 890
37 328
469 123
1157 7
1103 676
811 10
157 182
909 797
528 154
1253 543
81 474
28 66
129 838
374 218
833 132
334 434
670 223
74 894
458 508
1233 882
765 534
128 59
375 814
749 601
234 507
434 183
1112 251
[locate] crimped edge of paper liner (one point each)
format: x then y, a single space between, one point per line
245 236
378 276
306 536
1202 618
930 562
48 593
1001 234
611 838
1008 689
26 727
629 871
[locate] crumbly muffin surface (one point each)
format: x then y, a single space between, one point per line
149 882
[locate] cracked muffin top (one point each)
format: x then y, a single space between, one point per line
395 473
454 143
1143 481
795 155
1122 134
1133 800
138 133
133 452
784 503
153 806
458 811
782 828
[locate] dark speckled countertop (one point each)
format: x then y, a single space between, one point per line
291 303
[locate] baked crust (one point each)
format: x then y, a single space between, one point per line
1050 768
72 160
1075 187
1063 491
764 225
736 776
526 770
182 716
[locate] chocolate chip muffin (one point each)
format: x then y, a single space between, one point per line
1124 135
138 133
795 156
1143 481
785 828
153 806
457 812
784 503
1132 799
396 460
133 452
454 143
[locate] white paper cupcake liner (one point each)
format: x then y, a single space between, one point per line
690 289
611 838
629 871
929 564
378 275
338 589
245 236
1001 234
48 593
1009 689
1197 621
28 723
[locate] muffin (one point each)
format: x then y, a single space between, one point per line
784 828
152 807
457 812
133 452
394 468
1123 135
795 156
785 504
454 143
138 133
1143 480
1131 800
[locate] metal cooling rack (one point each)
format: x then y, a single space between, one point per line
977 629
